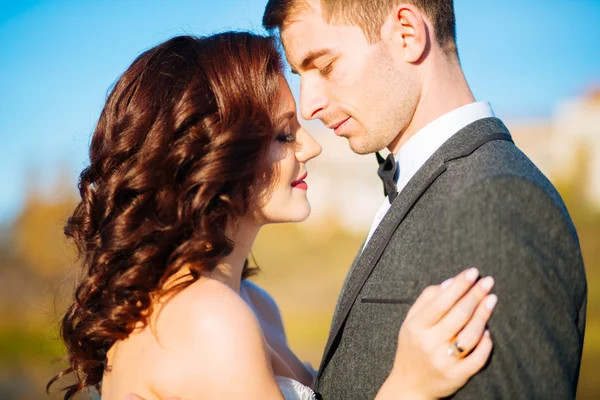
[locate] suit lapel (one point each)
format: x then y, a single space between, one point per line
460 145
342 296
372 252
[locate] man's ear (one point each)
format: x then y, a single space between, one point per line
406 31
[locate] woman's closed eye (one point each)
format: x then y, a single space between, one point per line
286 133
286 137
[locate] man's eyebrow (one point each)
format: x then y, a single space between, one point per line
284 117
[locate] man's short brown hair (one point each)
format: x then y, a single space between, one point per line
369 15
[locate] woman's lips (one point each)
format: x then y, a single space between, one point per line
299 183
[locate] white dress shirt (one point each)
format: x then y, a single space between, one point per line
417 150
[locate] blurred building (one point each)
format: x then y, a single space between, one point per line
566 144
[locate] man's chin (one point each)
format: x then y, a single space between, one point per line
358 145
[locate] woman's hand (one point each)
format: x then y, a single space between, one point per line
443 342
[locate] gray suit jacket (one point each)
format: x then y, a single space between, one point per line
478 201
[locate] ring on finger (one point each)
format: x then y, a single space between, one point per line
455 349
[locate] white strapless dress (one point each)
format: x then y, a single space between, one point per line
294 390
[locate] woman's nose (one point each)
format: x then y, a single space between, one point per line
308 147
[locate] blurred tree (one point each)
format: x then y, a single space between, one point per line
587 221
37 234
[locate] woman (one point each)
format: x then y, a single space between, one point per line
197 148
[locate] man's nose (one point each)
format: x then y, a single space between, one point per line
312 100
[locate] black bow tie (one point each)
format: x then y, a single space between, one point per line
387 173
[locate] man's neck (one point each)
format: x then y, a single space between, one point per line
443 88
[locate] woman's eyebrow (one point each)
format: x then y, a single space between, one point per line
284 117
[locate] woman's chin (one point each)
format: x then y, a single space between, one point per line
296 214
302 217
301 213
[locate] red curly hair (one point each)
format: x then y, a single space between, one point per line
173 160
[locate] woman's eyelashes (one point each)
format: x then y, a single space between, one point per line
285 134
286 137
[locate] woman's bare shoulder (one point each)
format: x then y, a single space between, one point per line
208 315
213 345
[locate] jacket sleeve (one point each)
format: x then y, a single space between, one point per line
522 235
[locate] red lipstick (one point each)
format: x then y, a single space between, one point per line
299 183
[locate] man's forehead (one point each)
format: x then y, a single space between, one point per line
303 34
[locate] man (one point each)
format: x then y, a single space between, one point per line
386 74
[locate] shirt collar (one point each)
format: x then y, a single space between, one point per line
417 150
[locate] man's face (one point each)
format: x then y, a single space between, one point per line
356 88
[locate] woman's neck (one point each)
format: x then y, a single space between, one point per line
230 270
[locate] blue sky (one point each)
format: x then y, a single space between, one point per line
58 58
